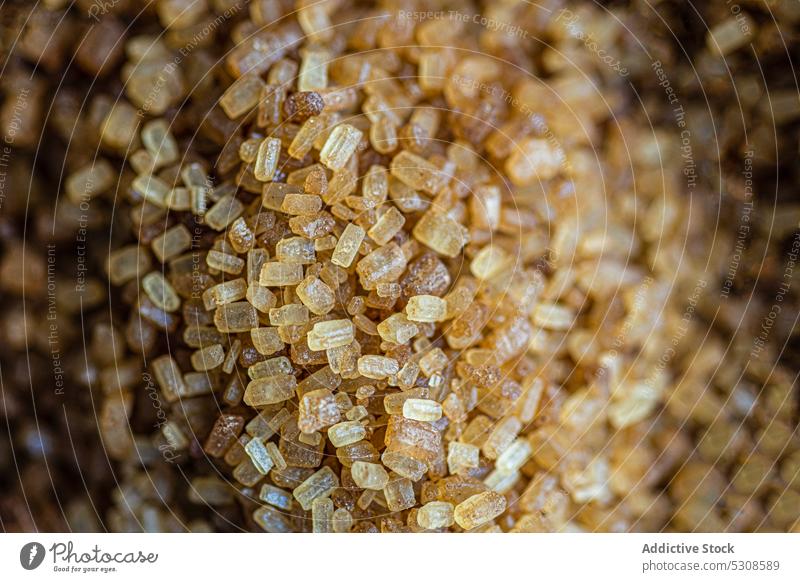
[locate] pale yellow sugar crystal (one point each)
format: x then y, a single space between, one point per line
325 243
342 520
357 413
266 340
393 403
433 69
242 96
633 404
169 378
388 225
404 465
477 430
275 496
313 70
340 146
142 162
267 159
397 329
224 262
461 457
500 481
375 186
347 247
553 316
316 295
208 358
346 433
266 424
174 435
534 160
314 20
271 367
331 334
432 362
273 193
90 181
246 473
417 172
270 390
322 378
228 291
224 212
436 514
369 475
441 233
194 174
127 263
272 520
255 260
406 198
118 128
343 359
426 308
317 410
259 456
310 438
341 186
393 290
366 498
152 188
377 367
260 297
322 515
383 135
399 493
479 509
291 314
280 274
231 357
383 265
276 456
306 136
516 455
235 317
248 150
160 292
198 200
408 375
301 204
320 484
529 402
422 409
501 436
730 34
296 250
486 207
490 262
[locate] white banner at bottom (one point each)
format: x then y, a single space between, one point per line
334 557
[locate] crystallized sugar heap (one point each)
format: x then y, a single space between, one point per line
384 277
392 281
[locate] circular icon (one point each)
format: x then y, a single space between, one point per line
31 555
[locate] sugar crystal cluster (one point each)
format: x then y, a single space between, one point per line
392 297
376 282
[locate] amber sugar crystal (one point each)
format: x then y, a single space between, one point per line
392 293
